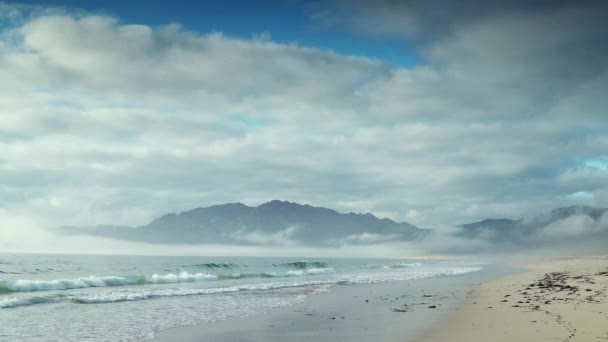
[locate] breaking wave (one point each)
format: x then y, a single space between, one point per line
406 265
171 278
135 294
305 264
312 271
397 266
215 265
182 277
144 294
68 284
17 302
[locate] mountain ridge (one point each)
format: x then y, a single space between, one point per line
510 230
272 223
289 223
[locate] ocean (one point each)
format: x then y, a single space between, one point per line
127 298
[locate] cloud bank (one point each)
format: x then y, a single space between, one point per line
107 122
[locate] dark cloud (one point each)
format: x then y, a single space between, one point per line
437 18
547 47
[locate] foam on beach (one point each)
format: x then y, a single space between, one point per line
136 294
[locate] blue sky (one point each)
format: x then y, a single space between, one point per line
597 163
286 21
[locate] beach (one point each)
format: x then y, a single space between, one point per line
389 311
105 298
365 300
550 300
553 300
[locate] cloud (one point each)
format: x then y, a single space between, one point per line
281 238
569 230
574 226
107 123
174 67
368 238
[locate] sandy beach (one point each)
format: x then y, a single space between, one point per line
552 300
557 300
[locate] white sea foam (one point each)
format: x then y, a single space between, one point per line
312 271
137 294
16 302
413 264
182 277
404 265
397 275
67 284
13 302
171 278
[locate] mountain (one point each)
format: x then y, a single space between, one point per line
577 220
562 213
493 227
287 223
272 223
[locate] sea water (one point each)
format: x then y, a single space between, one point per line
128 298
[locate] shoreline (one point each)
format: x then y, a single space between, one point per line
560 299
390 311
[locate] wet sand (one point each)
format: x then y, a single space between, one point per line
559 300
393 311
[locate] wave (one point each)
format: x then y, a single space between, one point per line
134 294
419 274
137 295
406 265
305 264
17 302
68 284
312 271
396 266
80 283
182 277
171 278
215 265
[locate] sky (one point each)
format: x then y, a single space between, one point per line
437 113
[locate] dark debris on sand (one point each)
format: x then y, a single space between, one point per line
560 288
433 301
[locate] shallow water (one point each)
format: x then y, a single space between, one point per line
127 298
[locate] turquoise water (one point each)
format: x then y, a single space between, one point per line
127 298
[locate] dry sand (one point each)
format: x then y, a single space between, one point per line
559 300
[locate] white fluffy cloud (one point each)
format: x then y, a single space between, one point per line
102 122
574 226
281 238
369 238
